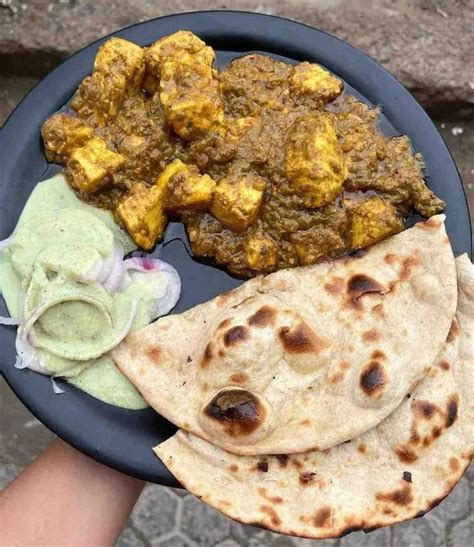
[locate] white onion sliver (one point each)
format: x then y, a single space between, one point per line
27 355
19 363
125 282
128 325
28 323
107 264
144 264
113 281
8 321
57 390
5 243
169 300
92 275
21 305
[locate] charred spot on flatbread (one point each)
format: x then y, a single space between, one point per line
322 517
282 459
239 411
300 339
400 496
239 378
405 454
207 356
274 518
373 379
409 263
154 354
357 286
452 411
335 285
453 331
390 258
236 335
454 464
263 492
306 477
424 409
223 324
263 317
372 335
262 465
444 365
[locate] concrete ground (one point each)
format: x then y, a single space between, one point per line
168 517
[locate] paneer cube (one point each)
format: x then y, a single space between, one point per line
176 47
190 97
119 56
118 69
89 167
62 134
169 172
260 252
186 188
237 200
141 212
181 66
371 221
313 80
313 160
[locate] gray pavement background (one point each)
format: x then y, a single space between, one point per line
438 69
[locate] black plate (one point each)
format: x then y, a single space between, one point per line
121 438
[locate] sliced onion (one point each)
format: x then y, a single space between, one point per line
106 271
31 338
57 390
28 323
21 305
145 264
27 356
164 304
5 243
114 279
92 275
107 264
19 363
8 321
128 325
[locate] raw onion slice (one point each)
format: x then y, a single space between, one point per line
21 305
128 325
114 279
166 302
107 264
5 243
26 331
39 310
57 390
8 321
19 363
92 275
27 356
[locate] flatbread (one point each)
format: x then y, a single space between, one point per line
305 358
396 471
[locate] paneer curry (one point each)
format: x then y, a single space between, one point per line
269 165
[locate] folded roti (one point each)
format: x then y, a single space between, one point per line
305 358
396 471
